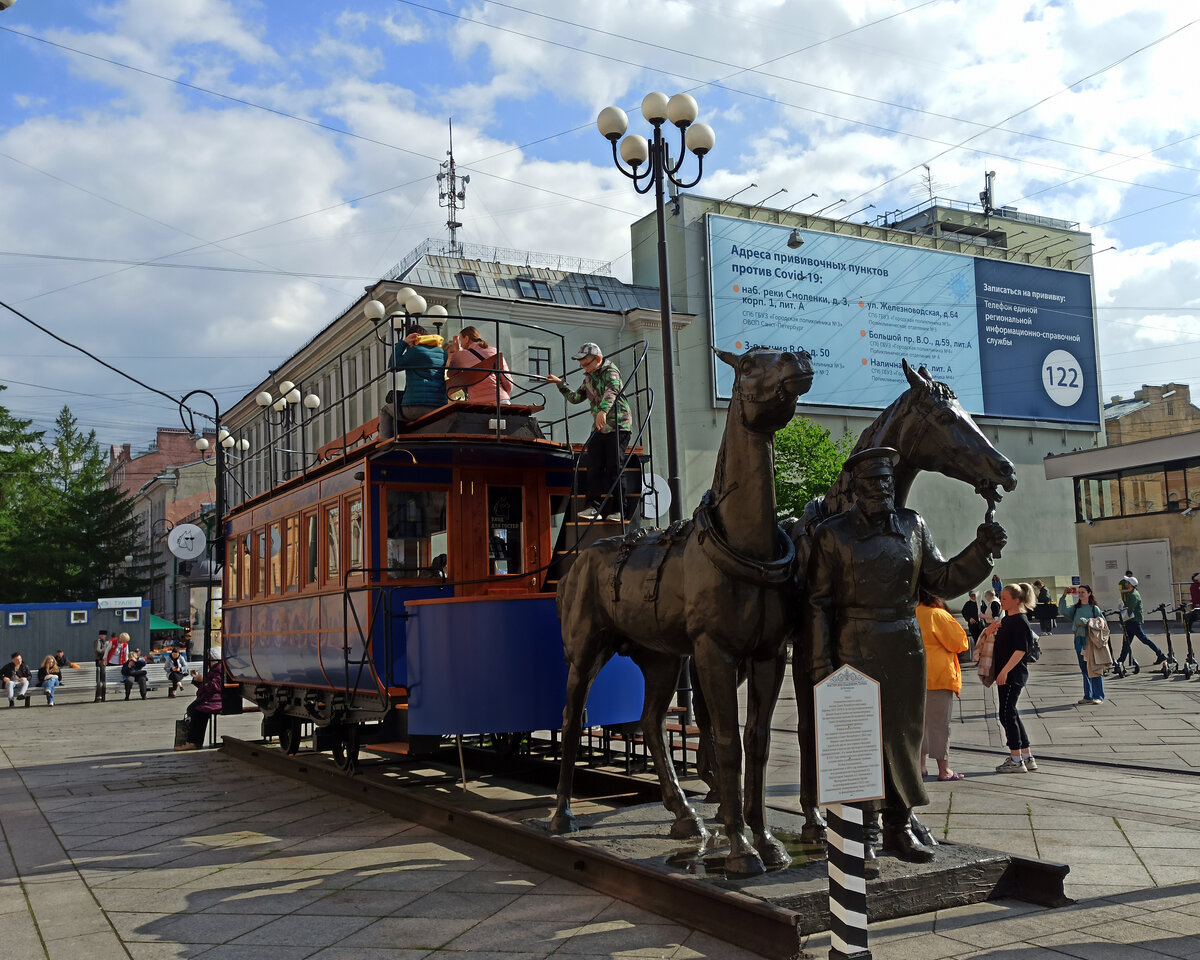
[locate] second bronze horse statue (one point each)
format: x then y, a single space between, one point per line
711 588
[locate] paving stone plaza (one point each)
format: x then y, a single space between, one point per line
115 847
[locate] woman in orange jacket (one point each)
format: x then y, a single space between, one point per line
944 640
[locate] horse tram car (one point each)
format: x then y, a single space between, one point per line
396 592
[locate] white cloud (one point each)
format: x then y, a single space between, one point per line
212 169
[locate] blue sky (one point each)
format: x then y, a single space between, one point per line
1084 110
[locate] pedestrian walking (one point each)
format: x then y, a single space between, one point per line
1136 616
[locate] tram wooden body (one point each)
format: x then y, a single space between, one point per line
402 591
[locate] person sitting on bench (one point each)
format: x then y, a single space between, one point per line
209 691
16 678
134 669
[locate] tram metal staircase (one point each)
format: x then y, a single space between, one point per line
576 533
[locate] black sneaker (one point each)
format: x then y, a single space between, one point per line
1161 659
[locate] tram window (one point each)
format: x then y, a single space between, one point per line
354 557
416 533
291 554
276 558
260 587
231 567
312 552
506 516
245 547
333 544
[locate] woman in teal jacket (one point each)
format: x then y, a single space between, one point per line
422 358
1085 608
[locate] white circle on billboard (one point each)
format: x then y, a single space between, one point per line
1062 378
187 541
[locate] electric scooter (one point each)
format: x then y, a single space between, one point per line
1119 668
1170 665
1190 665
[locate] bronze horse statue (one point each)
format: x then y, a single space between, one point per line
931 431
712 588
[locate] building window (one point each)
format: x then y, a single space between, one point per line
1097 498
595 297
468 282
539 361
79 616
534 289
131 616
1143 491
18 619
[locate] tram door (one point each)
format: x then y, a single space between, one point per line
502 530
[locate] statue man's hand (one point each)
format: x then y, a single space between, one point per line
991 536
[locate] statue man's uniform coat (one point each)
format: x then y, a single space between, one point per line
862 589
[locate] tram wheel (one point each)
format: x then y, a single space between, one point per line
345 751
289 736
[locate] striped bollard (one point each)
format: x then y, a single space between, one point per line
847 883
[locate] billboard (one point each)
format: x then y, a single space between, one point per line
1011 340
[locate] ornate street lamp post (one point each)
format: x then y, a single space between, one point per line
649 164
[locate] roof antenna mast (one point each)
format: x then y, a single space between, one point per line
451 194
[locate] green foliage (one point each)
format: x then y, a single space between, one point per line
64 533
807 462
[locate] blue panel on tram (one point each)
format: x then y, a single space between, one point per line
496 666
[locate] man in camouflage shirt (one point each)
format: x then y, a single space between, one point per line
613 422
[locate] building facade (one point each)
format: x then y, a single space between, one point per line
1137 507
131 471
1153 411
1039 515
178 494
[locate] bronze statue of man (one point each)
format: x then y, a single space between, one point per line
864 570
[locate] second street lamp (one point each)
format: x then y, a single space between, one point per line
649 165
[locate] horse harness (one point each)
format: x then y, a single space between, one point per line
715 548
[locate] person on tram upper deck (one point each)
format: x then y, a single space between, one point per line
470 357
423 359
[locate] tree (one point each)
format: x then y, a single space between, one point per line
67 535
807 462
23 500
92 528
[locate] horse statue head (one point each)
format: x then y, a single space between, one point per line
933 431
766 386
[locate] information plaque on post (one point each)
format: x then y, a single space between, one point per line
849 771
849 738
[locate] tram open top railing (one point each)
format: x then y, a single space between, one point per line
295 433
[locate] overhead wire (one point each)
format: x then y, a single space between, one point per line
1012 116
757 71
